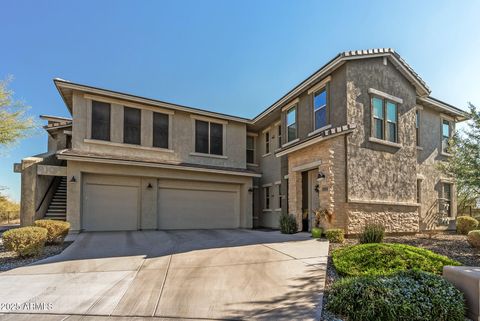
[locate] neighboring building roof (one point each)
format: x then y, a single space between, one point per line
140 161
61 124
444 107
66 87
54 118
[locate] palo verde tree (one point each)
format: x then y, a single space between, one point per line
464 164
14 122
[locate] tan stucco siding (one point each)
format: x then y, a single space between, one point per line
182 140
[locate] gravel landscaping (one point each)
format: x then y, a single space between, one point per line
9 260
448 244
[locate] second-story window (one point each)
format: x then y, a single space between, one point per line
131 125
320 108
384 119
417 127
446 135
250 149
208 137
267 142
160 130
267 197
292 124
100 120
279 136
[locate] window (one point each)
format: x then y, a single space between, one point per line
391 122
279 136
100 120
208 137
292 124
384 119
250 149
131 125
378 117
160 130
267 197
446 134
447 198
419 191
267 142
417 127
320 108
279 186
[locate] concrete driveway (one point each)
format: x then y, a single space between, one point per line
201 274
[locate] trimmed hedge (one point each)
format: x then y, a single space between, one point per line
411 295
56 230
466 224
372 233
317 232
473 238
335 235
386 258
25 241
288 224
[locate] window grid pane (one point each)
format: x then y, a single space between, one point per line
216 139
291 124
201 136
100 120
160 130
131 125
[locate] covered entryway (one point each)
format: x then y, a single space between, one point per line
186 204
111 203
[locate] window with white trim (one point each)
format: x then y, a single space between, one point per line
384 119
250 149
267 142
267 197
446 135
292 124
320 115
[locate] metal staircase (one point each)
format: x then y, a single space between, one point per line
57 209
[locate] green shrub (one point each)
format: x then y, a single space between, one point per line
317 232
372 233
56 230
386 258
466 224
288 224
25 241
335 235
411 295
473 238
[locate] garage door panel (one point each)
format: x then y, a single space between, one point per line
190 208
110 207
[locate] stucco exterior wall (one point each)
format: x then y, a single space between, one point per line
182 137
378 173
148 196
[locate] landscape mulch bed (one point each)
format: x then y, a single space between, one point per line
451 245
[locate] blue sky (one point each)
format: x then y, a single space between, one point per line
235 57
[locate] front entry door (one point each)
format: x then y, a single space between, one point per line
310 198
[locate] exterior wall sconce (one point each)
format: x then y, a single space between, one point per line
73 180
321 175
149 186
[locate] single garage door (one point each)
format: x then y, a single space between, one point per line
198 205
110 203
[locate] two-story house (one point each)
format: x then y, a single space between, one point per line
358 140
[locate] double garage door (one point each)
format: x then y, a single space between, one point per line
115 203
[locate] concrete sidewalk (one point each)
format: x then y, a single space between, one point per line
201 274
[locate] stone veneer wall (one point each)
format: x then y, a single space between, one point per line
331 152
